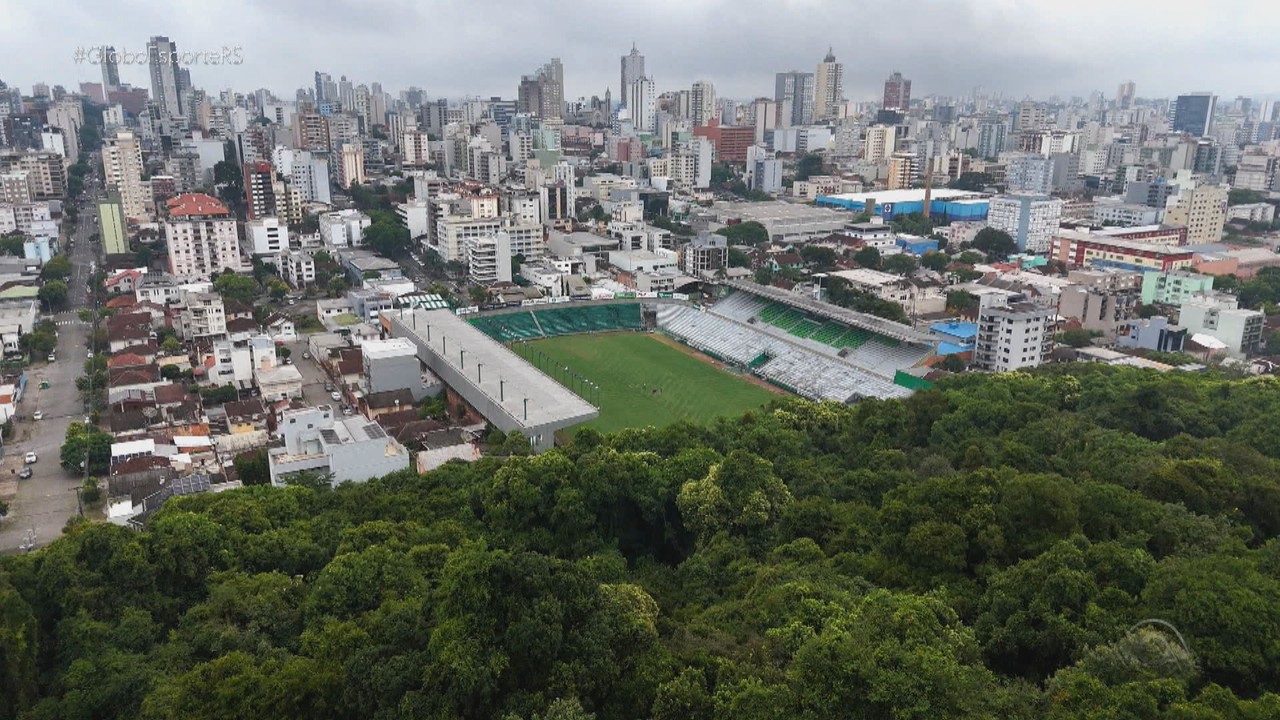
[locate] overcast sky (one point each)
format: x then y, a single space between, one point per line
481 47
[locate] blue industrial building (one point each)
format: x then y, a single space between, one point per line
916 245
955 337
944 204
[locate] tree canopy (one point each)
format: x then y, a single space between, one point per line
745 233
989 548
240 288
995 243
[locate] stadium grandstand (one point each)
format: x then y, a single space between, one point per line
551 321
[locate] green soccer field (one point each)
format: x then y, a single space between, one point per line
644 381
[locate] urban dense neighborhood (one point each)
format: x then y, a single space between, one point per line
362 402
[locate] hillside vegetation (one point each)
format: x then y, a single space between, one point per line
982 550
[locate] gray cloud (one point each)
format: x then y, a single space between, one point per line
456 47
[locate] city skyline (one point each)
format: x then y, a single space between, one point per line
1011 50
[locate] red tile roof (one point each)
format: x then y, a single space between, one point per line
122 301
196 205
123 360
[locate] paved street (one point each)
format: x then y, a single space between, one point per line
313 378
46 500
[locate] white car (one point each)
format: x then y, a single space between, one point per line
52 357
30 459
335 395
37 415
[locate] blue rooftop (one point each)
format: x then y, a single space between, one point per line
962 330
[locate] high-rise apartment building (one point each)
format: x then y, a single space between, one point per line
1012 337
632 70
110 70
793 91
122 171
1202 209
897 93
201 237
702 102
828 88
259 191
641 103
1032 116
1125 94
350 165
1030 220
879 144
904 170
166 79
1193 113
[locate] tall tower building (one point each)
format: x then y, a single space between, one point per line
1125 94
632 70
110 70
702 102
122 172
793 91
322 82
828 88
166 82
552 89
1193 113
897 93
641 102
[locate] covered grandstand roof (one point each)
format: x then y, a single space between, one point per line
510 392
880 326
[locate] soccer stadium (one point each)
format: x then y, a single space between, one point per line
612 364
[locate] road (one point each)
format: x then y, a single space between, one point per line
48 498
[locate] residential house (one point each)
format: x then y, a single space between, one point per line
353 449
379 403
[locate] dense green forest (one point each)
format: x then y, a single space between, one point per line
987 549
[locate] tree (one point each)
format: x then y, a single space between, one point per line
58 268
959 300
764 276
219 394
972 181
1075 337
739 259
818 256
935 261
952 363
283 352
386 236
13 244
86 442
995 243
913 224
808 166
1240 196
336 285
171 345
240 288
38 343
745 233
900 264
277 289
252 467
478 294
868 257
53 292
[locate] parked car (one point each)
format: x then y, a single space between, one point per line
328 387
37 415
306 356
52 357
25 473
335 395
30 459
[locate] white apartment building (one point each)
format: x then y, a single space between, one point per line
415 147
1252 212
266 236
349 449
416 216
201 315
1220 317
641 102
23 217
1030 219
351 165
297 268
201 238
879 144
1011 337
343 228
1202 209
1030 174
489 258
122 171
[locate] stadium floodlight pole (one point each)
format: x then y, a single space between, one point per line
462 358
478 366
502 387
526 408
428 332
